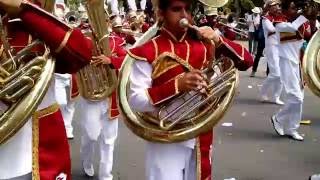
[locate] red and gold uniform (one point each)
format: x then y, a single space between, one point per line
153 80
129 39
41 145
99 122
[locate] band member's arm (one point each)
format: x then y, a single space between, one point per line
140 81
117 62
69 45
240 55
268 26
117 57
121 53
291 26
305 31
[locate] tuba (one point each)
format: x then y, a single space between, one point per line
22 84
97 82
187 115
311 63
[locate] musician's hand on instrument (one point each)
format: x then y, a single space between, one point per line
99 60
208 33
191 81
203 87
12 7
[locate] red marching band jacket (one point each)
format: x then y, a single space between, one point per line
118 53
188 54
51 154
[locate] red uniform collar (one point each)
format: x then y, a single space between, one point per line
169 34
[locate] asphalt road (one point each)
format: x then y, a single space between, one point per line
247 150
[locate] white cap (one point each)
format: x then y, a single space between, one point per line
210 11
256 10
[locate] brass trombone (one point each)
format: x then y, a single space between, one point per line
236 30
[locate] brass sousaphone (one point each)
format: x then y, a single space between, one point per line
97 82
195 114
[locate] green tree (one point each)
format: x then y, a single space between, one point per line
73 4
242 6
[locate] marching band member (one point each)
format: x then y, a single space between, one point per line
143 26
228 30
40 148
272 84
212 18
154 80
292 31
117 26
99 120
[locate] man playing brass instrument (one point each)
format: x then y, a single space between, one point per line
99 119
40 148
119 31
155 80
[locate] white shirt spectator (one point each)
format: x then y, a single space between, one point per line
253 20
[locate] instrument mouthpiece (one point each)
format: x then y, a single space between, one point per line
184 23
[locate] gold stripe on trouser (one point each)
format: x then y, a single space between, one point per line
35 137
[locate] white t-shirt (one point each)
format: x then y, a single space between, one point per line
253 20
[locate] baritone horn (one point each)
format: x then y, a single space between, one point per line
236 30
188 115
25 77
311 62
97 82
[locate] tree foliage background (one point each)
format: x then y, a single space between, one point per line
243 6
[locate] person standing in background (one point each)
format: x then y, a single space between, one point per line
253 20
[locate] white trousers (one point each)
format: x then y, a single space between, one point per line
114 6
67 106
132 4
272 85
16 153
290 114
170 162
97 128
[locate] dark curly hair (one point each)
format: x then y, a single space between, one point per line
285 4
164 4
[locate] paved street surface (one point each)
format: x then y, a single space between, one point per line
247 150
